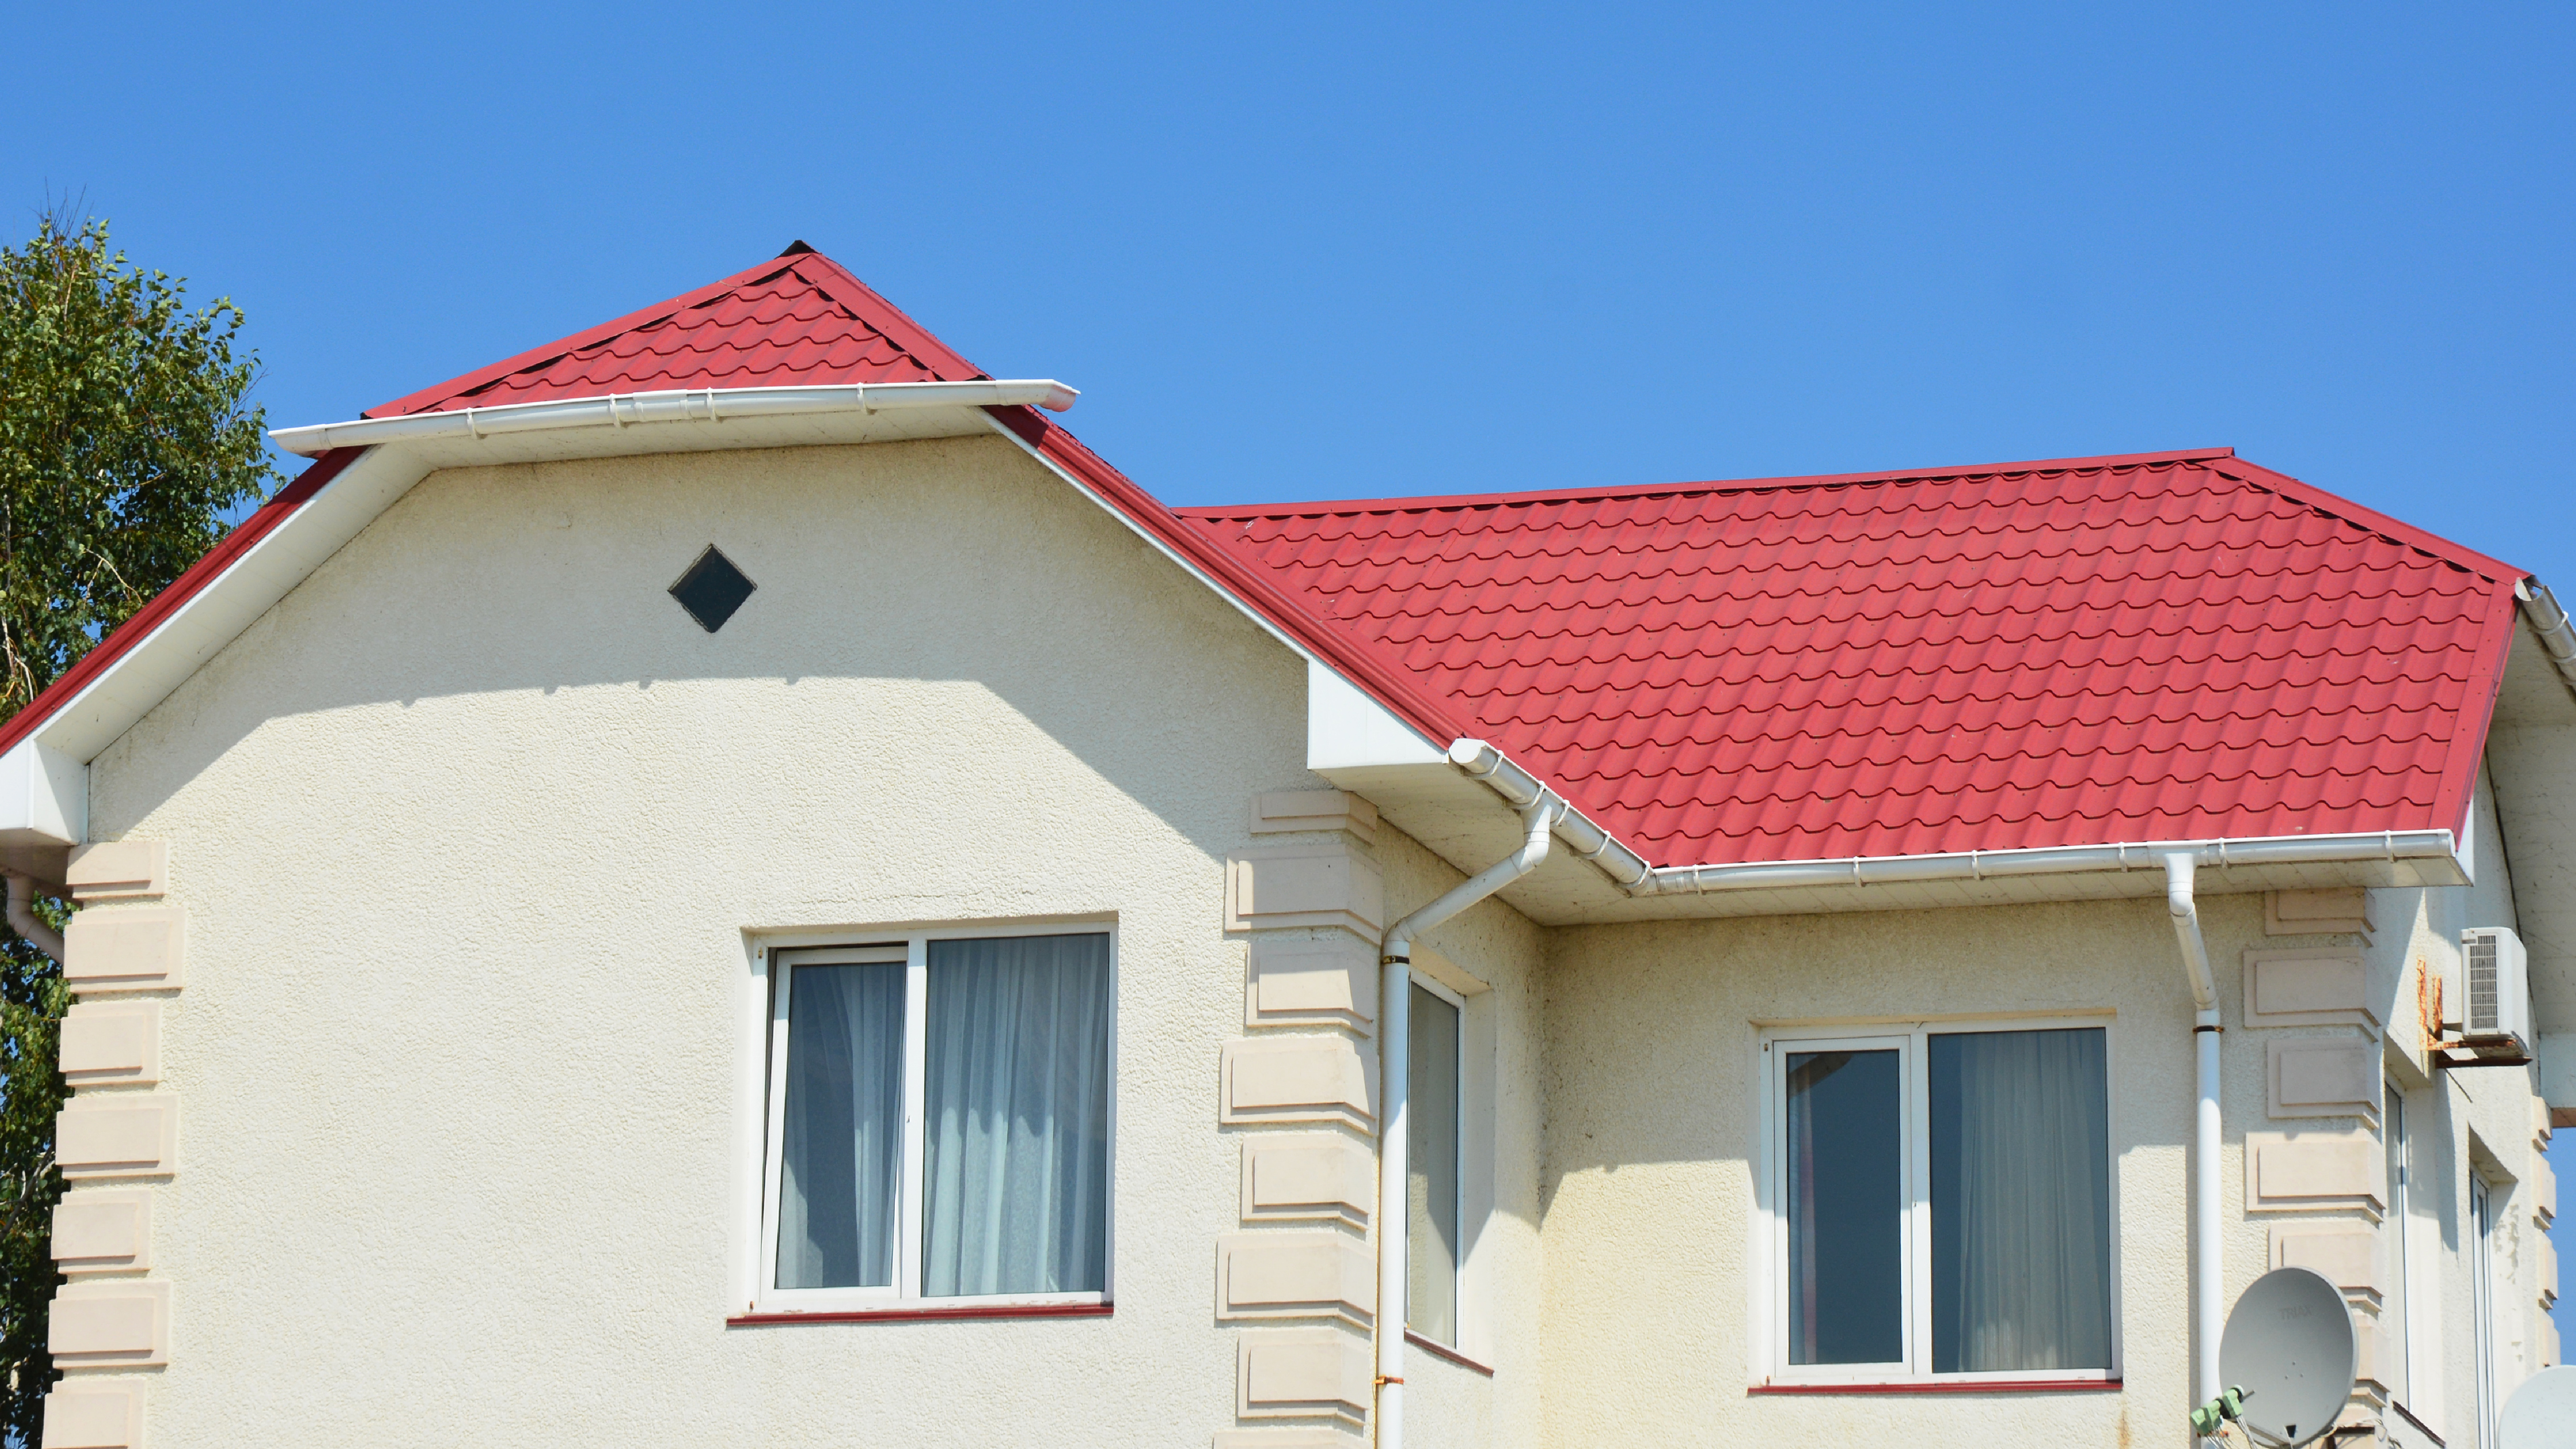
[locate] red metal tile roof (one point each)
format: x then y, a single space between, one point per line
2088 651
796 320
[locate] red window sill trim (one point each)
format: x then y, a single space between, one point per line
1437 1349
928 1315
1987 1386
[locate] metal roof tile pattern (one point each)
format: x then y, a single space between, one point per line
2089 651
794 321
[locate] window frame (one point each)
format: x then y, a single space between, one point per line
1911 1039
774 967
1458 1180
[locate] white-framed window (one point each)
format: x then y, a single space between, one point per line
2401 1276
1434 1163
937 1121
1938 1202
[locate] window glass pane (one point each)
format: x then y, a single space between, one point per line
1846 1205
1016 1117
2021 1201
1431 1168
840 1160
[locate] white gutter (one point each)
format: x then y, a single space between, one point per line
1394 1044
2549 620
697 404
2206 1279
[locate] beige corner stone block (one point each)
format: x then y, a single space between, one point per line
1281 811
2289 1173
2307 988
118 1323
2544 1191
78 1417
124 1135
103 1232
2550 1356
2374 1350
139 949
2347 1257
111 1043
2344 911
119 868
2323 1077
1286 1439
2547 1254
1303 1371
1330 980
1282 886
1307 1175
1297 1079
1295 1275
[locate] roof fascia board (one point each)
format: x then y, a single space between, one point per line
697 404
44 796
1347 729
2456 801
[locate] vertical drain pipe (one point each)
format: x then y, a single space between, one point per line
1395 1052
2205 1277
24 920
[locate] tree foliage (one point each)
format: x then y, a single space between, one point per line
125 440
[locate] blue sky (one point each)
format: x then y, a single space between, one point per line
1331 251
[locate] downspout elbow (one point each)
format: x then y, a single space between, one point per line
2179 868
24 920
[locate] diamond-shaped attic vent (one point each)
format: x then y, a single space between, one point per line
712 589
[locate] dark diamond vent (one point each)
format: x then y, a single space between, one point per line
712 589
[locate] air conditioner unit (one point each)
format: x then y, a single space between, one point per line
2495 1017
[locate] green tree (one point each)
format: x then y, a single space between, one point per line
126 439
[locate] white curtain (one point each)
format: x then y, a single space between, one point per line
1017 1116
841 1159
2021 1201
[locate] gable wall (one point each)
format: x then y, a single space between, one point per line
469 832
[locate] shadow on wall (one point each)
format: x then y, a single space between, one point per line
1653 1049
954 561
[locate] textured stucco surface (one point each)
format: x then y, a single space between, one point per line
477 831
471 829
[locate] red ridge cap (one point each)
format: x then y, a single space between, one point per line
262 522
816 269
1728 485
1392 689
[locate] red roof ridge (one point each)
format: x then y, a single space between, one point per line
1324 506
811 267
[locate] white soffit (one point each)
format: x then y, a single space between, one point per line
2531 760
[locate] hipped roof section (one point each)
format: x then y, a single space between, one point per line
2084 651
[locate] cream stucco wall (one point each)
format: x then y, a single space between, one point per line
475 832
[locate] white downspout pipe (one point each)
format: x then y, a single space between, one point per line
1394 1047
24 920
2205 1277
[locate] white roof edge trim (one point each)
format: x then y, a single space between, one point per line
1518 787
695 404
2549 621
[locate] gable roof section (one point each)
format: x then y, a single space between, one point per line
796 320
2175 646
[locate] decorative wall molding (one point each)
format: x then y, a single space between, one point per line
103 1232
1305 1175
1282 811
2290 1173
82 1416
114 1323
1278 1274
1325 884
2315 1076
2315 987
1303 1372
111 1043
1297 1079
2340 911
125 949
118 869
126 1134
1324 979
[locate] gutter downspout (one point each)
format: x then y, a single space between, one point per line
1394 1045
24 920
2205 1277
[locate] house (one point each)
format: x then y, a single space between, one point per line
725 881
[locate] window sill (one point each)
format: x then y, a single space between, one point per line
1439 1350
927 1315
1938 1386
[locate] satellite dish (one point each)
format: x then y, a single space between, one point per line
2290 1348
2542 1413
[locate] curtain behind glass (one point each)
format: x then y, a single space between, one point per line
1017 1117
1431 1169
1846 1208
2021 1201
840 1159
